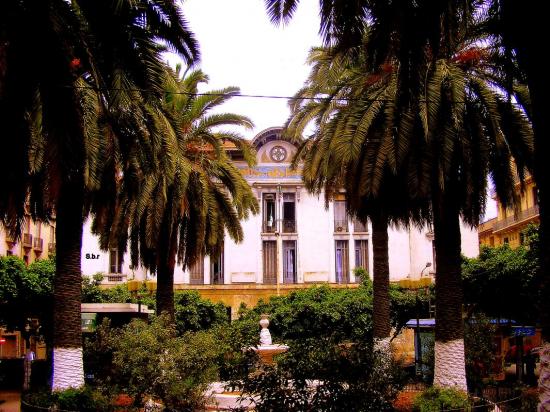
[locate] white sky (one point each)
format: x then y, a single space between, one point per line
240 47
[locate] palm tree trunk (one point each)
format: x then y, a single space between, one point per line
450 369
68 371
166 253
381 276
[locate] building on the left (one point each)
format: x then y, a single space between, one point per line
37 241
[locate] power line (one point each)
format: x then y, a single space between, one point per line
255 96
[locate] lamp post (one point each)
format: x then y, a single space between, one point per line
418 340
135 285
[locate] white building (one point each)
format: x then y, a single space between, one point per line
294 241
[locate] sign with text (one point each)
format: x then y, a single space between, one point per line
271 173
523 330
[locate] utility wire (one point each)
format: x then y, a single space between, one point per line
253 96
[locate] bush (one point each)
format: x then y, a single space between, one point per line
325 376
193 313
85 399
152 362
436 399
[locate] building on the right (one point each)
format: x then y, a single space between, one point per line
507 227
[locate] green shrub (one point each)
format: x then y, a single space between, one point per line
194 313
84 399
152 362
326 376
436 399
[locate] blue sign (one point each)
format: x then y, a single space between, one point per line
523 330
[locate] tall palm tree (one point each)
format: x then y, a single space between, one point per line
60 121
459 130
182 211
334 160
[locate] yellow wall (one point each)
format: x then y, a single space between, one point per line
37 230
508 225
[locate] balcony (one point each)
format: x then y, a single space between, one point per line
269 227
51 247
115 277
359 227
10 240
514 219
27 240
37 244
341 226
289 226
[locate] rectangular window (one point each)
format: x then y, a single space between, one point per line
289 261
216 269
340 216
38 229
115 261
270 262
289 213
269 215
342 261
196 272
362 254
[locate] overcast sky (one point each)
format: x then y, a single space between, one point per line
240 47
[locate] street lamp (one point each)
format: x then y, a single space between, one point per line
418 340
135 285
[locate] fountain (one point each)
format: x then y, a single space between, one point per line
220 400
266 350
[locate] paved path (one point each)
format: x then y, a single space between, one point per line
10 401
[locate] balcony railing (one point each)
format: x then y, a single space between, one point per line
51 247
511 220
341 226
359 227
9 238
289 226
269 227
27 240
115 277
38 243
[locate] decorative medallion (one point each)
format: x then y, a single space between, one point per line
277 153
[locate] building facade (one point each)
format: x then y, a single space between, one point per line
508 225
294 241
37 241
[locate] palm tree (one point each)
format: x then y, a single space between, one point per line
60 122
455 133
182 211
334 160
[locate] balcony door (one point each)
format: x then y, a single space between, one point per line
270 262
342 261
289 261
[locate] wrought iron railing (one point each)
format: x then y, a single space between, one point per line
289 226
341 226
269 227
522 215
38 243
27 240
